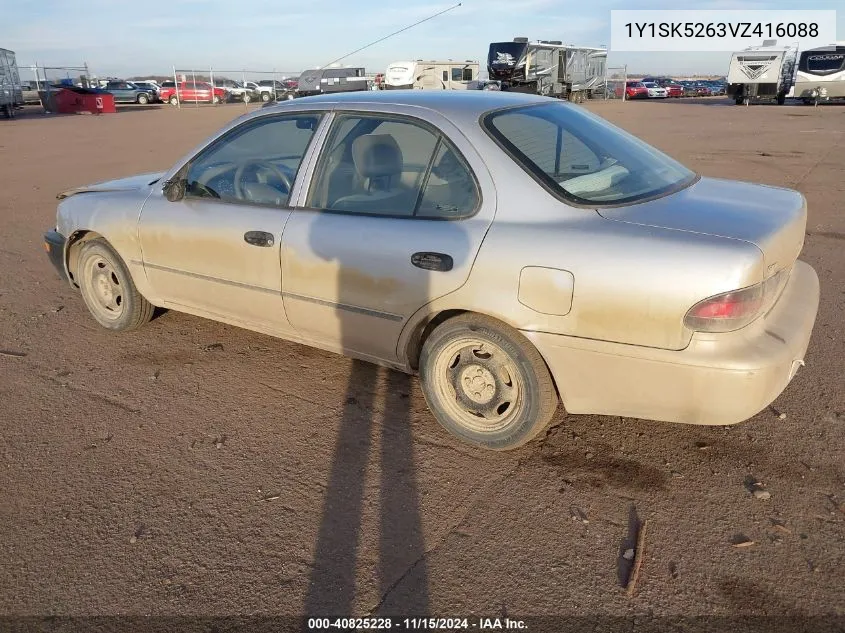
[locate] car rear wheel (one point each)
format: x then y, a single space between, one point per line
485 383
265 96
108 290
143 99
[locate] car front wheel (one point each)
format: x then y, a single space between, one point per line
485 383
265 96
108 290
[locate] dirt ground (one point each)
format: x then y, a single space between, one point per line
195 469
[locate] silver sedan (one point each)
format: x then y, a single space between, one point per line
515 251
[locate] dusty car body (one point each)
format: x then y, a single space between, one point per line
514 250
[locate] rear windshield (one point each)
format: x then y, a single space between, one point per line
583 158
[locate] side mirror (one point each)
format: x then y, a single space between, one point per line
174 190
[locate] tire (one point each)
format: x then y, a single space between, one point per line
510 370
174 100
738 100
108 290
143 99
781 99
265 97
247 98
215 100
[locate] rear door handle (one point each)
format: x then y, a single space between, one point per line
432 261
259 238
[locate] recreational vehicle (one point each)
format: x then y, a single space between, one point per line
762 73
821 74
328 80
432 75
547 67
11 92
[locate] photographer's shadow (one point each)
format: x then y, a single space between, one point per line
378 288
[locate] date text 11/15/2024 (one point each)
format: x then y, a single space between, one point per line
416 624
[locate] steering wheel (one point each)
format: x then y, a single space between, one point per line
259 163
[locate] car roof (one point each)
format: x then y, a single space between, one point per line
462 102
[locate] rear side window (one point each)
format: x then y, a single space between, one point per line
380 165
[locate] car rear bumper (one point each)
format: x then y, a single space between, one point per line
718 379
54 244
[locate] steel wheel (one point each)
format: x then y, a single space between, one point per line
478 383
107 288
102 288
486 383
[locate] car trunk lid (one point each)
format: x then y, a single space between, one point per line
772 218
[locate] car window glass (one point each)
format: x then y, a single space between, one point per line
597 162
450 191
256 163
537 139
385 166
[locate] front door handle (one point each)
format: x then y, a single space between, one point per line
432 261
259 238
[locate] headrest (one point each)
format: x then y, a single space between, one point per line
377 155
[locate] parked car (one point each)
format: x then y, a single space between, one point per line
191 92
150 84
635 90
701 89
236 91
439 233
673 89
128 92
263 92
717 88
654 90
29 89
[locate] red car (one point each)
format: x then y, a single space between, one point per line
635 90
192 92
674 90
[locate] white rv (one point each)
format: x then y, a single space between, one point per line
821 73
762 73
432 75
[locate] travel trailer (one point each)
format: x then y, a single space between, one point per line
332 79
11 93
547 67
762 73
432 75
821 74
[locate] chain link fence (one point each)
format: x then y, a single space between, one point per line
39 82
202 86
615 80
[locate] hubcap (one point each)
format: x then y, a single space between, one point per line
478 384
105 291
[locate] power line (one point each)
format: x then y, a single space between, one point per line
392 34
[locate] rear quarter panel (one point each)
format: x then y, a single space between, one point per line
631 284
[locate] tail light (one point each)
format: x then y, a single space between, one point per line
735 309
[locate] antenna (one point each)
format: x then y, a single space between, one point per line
395 33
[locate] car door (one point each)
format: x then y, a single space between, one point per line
393 219
215 250
116 89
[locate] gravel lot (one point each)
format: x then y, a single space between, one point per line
194 469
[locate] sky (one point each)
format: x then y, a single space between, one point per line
122 38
